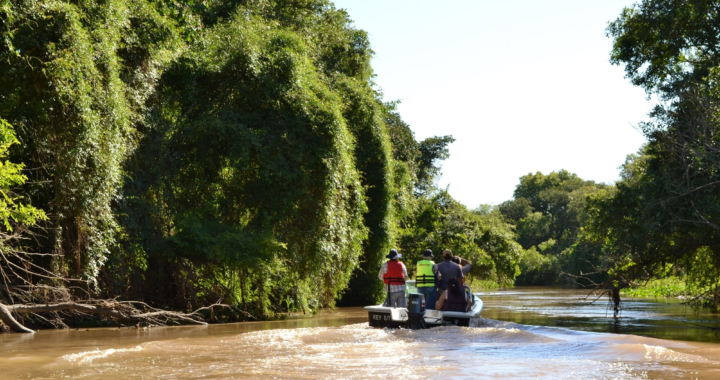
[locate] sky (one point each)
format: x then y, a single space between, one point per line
522 85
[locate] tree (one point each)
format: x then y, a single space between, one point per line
482 237
232 150
548 212
665 211
666 45
259 169
75 76
432 150
17 266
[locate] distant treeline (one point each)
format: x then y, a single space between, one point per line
184 153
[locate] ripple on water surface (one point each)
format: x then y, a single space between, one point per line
488 349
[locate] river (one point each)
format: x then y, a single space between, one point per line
524 333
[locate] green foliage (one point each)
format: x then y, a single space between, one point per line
224 149
670 287
548 212
537 268
12 212
405 152
516 209
74 77
365 116
667 44
702 276
653 221
431 151
666 212
483 238
231 150
262 173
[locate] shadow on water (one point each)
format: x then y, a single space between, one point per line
572 309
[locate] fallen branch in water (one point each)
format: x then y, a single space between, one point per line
23 294
123 312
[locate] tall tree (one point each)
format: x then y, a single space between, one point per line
482 237
432 150
665 211
549 213
232 148
666 45
74 79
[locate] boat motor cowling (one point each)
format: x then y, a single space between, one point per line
416 310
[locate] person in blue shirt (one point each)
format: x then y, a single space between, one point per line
447 270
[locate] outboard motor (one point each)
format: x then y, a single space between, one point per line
416 311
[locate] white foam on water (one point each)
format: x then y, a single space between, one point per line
492 350
664 354
87 357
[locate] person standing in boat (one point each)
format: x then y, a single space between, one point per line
447 270
393 273
426 278
466 265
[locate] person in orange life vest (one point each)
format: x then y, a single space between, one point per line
393 273
454 298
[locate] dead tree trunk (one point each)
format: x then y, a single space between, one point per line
615 294
121 312
10 321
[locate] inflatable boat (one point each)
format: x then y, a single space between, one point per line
416 316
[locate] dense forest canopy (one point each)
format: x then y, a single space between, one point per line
238 150
184 153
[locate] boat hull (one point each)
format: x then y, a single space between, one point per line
387 317
384 320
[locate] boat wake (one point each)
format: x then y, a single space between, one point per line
88 357
487 349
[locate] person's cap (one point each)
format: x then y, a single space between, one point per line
447 254
427 253
393 254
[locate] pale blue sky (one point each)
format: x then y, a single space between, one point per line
523 85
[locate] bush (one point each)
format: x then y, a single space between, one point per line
537 269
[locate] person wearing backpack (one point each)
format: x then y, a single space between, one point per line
454 298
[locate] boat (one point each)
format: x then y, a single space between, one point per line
416 316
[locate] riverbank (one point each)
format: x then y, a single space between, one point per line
671 287
703 299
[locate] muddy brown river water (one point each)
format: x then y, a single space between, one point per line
524 333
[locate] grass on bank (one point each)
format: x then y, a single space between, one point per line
477 285
671 287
